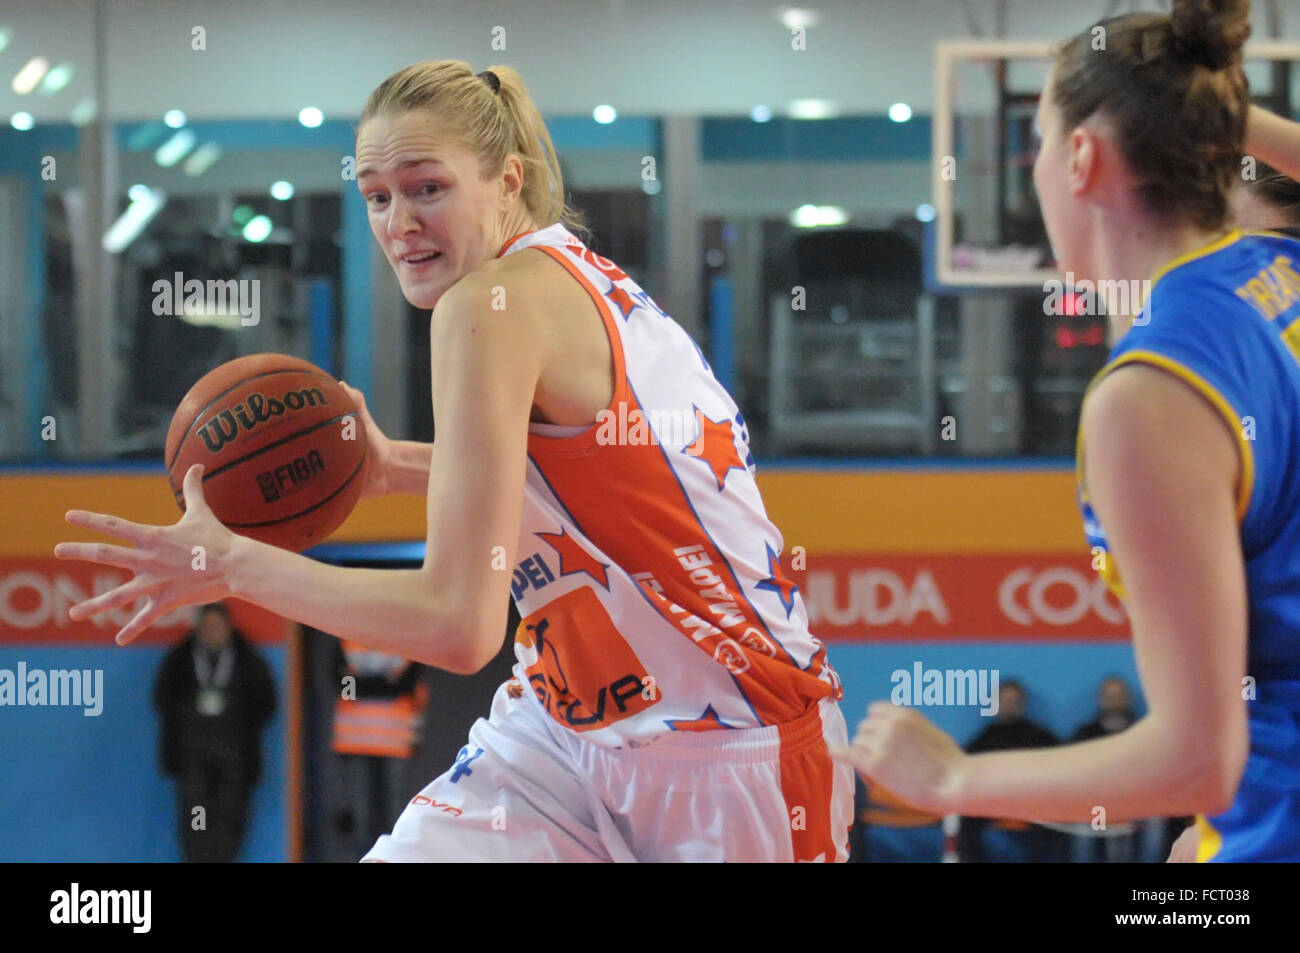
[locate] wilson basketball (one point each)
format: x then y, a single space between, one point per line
282 447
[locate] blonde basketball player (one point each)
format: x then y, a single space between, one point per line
1187 447
669 702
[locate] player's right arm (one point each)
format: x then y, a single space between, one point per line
1274 139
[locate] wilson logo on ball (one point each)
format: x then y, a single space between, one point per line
254 410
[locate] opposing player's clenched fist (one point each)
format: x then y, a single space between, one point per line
901 750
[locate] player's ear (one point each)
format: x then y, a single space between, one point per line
512 179
1084 158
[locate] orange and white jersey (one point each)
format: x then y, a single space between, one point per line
648 578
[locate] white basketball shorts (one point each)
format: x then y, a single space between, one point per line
526 789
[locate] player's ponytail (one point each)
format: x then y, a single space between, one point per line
543 179
1172 87
1210 33
492 114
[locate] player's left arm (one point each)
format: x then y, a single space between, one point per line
1162 469
1162 472
450 613
485 366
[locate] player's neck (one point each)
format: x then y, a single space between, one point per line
517 222
1136 251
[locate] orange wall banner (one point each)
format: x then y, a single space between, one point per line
36 593
920 510
32 507
961 596
913 552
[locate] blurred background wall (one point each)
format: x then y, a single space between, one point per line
914 438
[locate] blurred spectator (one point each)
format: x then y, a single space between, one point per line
1015 840
1114 714
377 727
215 695
1150 839
1114 711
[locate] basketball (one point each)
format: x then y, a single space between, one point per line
282 447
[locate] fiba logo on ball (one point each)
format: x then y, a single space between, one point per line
289 477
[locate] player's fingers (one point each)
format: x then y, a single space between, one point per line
126 593
192 487
869 734
877 721
148 614
861 757
358 398
110 525
841 752
105 554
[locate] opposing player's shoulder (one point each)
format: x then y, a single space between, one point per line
1142 417
1136 402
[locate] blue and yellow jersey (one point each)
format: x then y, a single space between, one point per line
1226 320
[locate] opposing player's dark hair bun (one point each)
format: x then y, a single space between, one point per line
1211 33
1173 89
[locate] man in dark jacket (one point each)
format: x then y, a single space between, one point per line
215 695
1010 730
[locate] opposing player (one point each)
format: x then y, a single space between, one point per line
669 702
1188 442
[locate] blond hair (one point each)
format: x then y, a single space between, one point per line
491 123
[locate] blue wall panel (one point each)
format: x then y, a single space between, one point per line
79 788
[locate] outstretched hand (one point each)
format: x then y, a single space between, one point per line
174 566
904 752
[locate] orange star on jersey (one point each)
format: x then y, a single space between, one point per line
709 721
621 298
573 558
716 445
783 587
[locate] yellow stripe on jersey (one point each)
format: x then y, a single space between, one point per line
1192 255
1291 337
1208 840
1220 403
